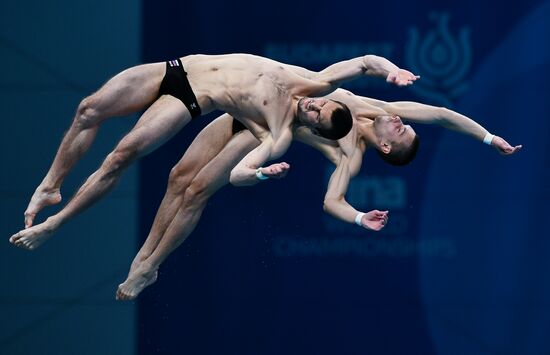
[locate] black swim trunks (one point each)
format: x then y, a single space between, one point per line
237 126
175 83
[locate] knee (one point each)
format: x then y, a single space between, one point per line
197 192
87 114
118 160
178 180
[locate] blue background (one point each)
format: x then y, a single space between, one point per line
460 269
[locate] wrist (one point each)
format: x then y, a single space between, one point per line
260 175
359 218
488 139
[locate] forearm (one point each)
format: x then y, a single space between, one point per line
244 173
243 177
341 209
249 171
463 124
335 202
371 65
378 66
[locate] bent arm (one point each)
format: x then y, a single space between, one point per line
372 65
335 202
244 173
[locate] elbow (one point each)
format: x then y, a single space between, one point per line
237 179
328 205
442 114
368 59
234 178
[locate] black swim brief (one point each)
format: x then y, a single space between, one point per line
175 83
237 126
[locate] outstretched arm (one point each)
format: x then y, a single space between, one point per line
372 65
336 205
420 113
249 171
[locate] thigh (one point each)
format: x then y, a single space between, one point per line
158 124
206 145
129 91
216 173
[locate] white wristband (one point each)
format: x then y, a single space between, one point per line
488 138
259 174
358 219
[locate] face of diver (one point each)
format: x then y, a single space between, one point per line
316 112
391 131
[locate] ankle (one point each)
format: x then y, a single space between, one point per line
148 267
48 188
53 223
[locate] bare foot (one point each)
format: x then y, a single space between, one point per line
143 276
32 238
40 199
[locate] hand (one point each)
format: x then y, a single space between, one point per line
401 77
276 171
375 220
503 147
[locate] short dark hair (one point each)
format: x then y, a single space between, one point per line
341 121
404 157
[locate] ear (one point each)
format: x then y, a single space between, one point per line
384 147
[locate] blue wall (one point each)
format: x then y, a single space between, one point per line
59 299
459 269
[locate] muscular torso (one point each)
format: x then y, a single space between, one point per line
257 91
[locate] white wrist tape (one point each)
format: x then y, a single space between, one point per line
259 174
358 219
488 138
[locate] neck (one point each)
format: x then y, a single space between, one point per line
365 130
